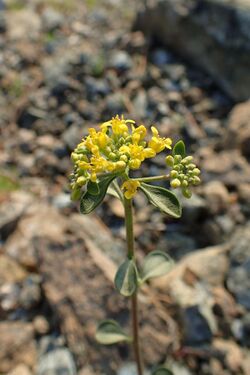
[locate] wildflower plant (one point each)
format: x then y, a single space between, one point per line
103 163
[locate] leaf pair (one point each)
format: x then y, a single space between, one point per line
110 332
155 264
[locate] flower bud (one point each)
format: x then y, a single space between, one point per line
81 181
187 160
76 193
184 183
124 158
74 156
196 171
181 176
187 193
191 166
120 164
175 183
112 156
169 161
174 174
177 159
196 180
134 163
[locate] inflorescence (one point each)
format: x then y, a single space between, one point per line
120 146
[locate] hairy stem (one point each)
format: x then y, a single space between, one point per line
134 300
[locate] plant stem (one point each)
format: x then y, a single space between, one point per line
134 301
154 178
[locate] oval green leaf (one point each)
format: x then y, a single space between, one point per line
90 201
156 264
126 278
93 188
115 191
180 149
110 332
163 199
162 371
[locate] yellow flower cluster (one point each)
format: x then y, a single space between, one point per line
118 146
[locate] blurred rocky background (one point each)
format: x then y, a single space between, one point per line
66 65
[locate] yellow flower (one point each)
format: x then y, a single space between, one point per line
131 187
157 143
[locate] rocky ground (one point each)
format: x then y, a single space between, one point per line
69 65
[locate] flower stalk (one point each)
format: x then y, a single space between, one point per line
134 299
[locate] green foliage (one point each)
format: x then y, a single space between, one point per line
163 199
156 264
110 332
126 278
179 149
89 201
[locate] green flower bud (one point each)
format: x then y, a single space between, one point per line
124 158
191 166
74 157
81 181
169 161
174 174
120 164
177 159
76 193
184 183
181 176
196 180
187 193
175 183
187 160
112 156
196 171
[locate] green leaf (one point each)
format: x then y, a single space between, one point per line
180 149
163 199
110 332
156 264
126 278
162 371
93 188
115 190
90 201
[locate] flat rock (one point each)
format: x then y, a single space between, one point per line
192 28
17 345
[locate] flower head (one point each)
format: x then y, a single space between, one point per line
118 146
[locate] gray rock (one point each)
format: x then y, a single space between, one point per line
238 280
196 328
129 369
57 361
192 28
120 60
52 19
62 201
160 57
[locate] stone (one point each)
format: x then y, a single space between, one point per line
196 330
23 24
129 369
11 211
233 353
216 196
20 370
10 270
194 27
238 278
120 60
41 325
160 57
17 345
52 19
56 361
238 129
